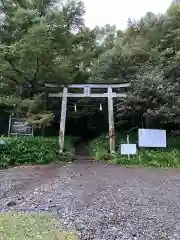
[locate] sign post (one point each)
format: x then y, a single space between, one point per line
19 127
128 149
128 143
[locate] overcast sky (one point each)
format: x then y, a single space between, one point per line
101 12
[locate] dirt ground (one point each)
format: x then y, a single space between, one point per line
99 201
19 180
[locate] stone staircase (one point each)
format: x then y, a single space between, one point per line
82 154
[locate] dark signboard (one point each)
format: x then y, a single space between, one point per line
19 126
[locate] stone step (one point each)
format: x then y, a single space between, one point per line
83 158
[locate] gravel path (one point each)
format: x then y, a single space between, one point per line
101 202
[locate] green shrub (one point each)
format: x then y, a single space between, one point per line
99 148
33 150
100 154
169 157
150 158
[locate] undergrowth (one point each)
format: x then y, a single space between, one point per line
165 158
33 150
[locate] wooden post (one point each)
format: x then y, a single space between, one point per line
111 120
63 119
128 141
44 103
9 129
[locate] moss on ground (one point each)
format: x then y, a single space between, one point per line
28 226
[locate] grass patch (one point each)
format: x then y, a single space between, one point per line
165 158
28 226
34 150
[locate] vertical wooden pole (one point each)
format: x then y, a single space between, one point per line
111 120
9 129
44 106
128 141
63 119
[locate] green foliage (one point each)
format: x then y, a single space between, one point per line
147 55
150 158
37 45
100 153
44 41
165 158
34 150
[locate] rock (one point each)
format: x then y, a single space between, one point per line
11 203
134 235
20 198
53 206
79 225
73 176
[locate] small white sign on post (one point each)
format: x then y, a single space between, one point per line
152 138
128 149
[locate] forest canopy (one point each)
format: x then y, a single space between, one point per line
47 41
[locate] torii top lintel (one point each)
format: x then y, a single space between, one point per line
87 90
121 85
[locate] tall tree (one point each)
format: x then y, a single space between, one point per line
39 47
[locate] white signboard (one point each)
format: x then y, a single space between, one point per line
152 138
87 91
128 149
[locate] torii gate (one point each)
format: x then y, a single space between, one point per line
87 92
